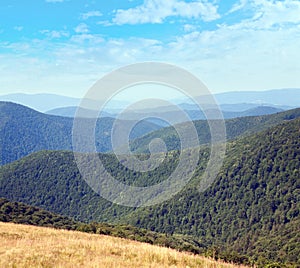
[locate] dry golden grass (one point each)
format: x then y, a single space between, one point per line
29 246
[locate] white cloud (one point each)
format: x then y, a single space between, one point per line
81 28
278 12
156 11
225 59
238 6
252 54
189 28
105 23
90 14
92 38
55 34
18 28
239 57
69 65
272 14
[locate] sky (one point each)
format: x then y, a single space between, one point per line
65 46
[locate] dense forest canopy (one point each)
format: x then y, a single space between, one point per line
252 208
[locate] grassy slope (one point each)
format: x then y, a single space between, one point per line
21 213
29 246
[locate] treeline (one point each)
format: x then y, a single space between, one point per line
21 213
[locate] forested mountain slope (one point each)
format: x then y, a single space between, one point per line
17 212
235 127
253 206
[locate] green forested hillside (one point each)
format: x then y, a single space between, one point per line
51 180
24 131
252 208
24 214
234 128
254 205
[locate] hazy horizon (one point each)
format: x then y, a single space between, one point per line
120 98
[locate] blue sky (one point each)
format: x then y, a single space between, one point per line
64 46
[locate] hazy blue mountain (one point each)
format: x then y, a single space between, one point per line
41 102
46 102
288 97
168 113
229 101
71 112
255 111
24 131
260 110
236 107
235 127
241 107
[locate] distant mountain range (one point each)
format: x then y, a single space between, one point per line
287 96
235 127
24 131
229 101
71 112
41 102
46 102
151 114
